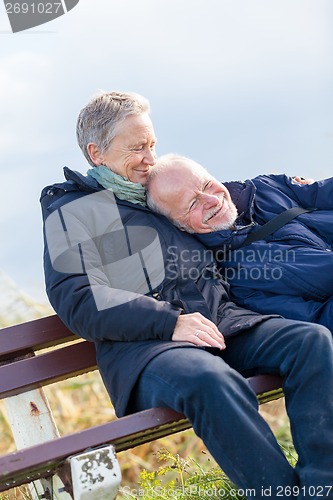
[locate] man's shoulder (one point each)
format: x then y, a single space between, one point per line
271 180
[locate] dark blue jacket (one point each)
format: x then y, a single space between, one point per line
119 275
291 272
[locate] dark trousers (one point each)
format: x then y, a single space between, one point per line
207 387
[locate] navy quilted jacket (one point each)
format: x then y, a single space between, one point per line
291 272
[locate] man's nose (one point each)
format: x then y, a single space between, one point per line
209 200
150 157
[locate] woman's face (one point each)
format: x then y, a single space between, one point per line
132 151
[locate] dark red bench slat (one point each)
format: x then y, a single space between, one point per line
32 336
73 360
265 386
47 368
127 432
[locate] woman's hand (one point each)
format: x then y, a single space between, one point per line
198 330
301 180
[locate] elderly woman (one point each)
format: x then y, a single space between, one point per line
123 121
147 294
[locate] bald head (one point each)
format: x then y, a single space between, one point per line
189 196
167 180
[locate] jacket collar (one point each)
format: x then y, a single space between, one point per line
83 182
242 194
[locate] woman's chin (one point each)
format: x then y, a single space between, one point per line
140 178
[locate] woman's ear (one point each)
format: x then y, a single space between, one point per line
95 154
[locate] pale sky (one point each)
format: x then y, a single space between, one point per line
242 86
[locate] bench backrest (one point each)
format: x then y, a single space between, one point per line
21 370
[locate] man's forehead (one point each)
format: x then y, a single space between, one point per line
192 183
200 173
204 175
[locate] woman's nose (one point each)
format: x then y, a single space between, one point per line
150 157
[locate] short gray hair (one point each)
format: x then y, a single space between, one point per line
98 120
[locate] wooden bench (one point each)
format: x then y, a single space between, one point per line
24 372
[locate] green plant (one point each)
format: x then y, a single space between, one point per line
184 479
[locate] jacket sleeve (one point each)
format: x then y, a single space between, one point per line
81 293
316 195
289 306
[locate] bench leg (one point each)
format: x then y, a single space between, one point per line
31 422
95 474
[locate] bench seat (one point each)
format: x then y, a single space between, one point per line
23 369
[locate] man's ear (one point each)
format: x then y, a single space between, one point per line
95 154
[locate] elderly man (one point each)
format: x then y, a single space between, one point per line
288 271
150 299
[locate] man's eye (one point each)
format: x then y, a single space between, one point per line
192 206
207 185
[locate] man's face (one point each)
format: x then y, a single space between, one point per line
132 151
193 198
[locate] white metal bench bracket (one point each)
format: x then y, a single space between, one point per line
95 474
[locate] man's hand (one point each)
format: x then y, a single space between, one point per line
301 180
198 330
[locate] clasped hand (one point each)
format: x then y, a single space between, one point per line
198 330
